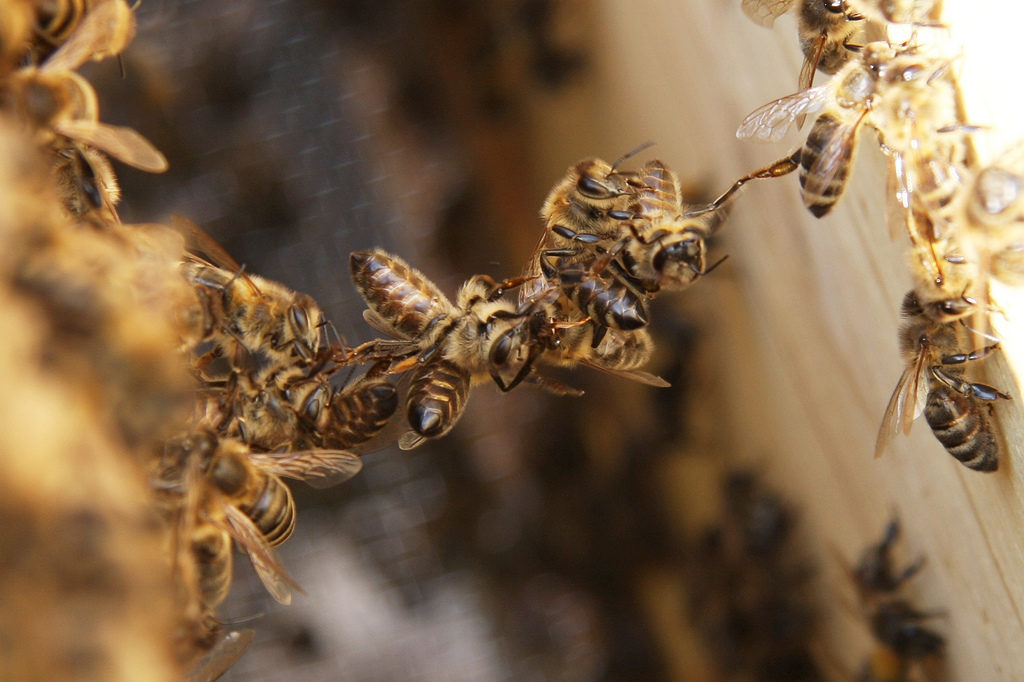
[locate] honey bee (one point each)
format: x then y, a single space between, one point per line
259 325
452 346
619 353
610 302
611 274
824 27
57 20
994 210
666 244
587 206
592 193
902 93
298 411
56 101
240 492
929 383
86 182
358 412
211 550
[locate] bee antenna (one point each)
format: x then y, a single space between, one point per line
633 152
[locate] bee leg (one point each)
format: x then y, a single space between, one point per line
778 169
966 388
554 386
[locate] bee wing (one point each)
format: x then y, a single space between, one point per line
268 567
410 440
223 655
199 242
632 374
765 12
835 155
318 468
105 31
771 121
124 144
900 413
810 65
372 318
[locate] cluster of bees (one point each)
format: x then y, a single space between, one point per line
612 240
262 395
963 221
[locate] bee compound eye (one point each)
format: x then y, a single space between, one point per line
835 6
590 186
501 349
299 320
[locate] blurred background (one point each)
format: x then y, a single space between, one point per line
600 538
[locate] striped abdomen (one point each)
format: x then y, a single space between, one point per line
359 412
403 299
822 190
437 395
606 300
211 549
272 510
261 496
963 428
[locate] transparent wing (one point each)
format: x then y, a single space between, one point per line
631 374
410 440
765 12
104 31
199 242
810 64
268 567
318 468
771 121
221 657
124 144
905 405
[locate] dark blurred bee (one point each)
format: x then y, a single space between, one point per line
933 382
908 650
824 27
874 572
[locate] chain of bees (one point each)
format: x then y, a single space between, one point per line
963 220
267 399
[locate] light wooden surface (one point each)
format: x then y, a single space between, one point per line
808 370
